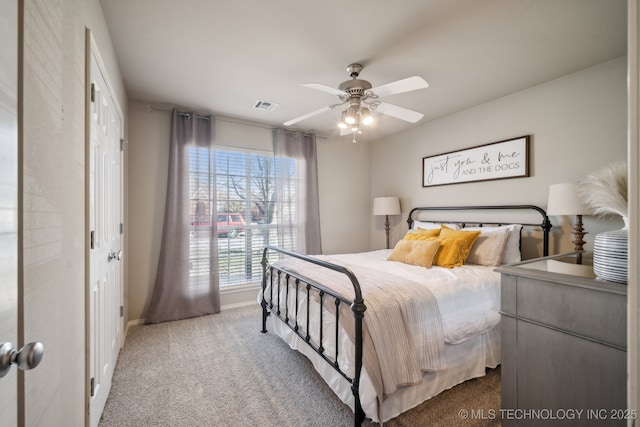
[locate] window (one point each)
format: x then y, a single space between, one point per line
246 200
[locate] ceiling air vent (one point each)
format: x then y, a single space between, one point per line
265 105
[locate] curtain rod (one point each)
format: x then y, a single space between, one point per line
152 108
293 132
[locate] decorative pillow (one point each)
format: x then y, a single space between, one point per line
468 236
421 234
415 252
511 253
428 225
452 252
488 247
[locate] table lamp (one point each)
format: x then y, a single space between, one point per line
386 206
564 200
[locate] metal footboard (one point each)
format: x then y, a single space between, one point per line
279 280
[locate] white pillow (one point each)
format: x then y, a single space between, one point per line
428 225
511 253
488 247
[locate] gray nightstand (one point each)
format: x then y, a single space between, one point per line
564 340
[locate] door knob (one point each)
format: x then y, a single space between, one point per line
28 357
117 255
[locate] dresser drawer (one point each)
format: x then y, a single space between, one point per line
563 343
591 313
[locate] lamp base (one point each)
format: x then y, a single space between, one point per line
578 233
386 228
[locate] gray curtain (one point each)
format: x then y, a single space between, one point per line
298 228
187 278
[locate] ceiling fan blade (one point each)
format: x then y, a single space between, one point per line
323 88
399 112
400 86
345 131
306 116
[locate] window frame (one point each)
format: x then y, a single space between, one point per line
235 273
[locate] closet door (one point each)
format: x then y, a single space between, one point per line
105 199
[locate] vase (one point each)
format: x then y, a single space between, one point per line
610 255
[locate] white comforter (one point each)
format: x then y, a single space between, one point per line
468 299
468 296
402 329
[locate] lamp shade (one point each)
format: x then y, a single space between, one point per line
564 200
386 206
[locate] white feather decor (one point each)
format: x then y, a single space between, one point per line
604 191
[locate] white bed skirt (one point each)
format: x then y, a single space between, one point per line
465 361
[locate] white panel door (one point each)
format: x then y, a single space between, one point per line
8 203
105 274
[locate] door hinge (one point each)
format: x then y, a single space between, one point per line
121 228
121 144
122 311
93 235
93 386
93 92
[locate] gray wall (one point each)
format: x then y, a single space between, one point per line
577 123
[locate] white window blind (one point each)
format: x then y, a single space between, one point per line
247 185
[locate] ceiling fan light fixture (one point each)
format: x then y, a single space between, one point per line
365 116
359 95
352 115
342 124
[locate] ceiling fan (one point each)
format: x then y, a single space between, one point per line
362 97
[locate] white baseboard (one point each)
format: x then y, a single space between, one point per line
135 322
130 323
239 304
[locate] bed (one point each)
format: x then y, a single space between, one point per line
388 330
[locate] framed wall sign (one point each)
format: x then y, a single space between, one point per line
498 160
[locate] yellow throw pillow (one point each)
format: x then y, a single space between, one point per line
415 252
452 252
468 236
421 234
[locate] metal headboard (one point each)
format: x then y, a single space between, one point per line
545 225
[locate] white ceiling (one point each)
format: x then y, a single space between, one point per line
223 56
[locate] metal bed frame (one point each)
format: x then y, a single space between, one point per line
278 277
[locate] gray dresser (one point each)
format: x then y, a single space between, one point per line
563 345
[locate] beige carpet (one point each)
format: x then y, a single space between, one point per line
220 370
